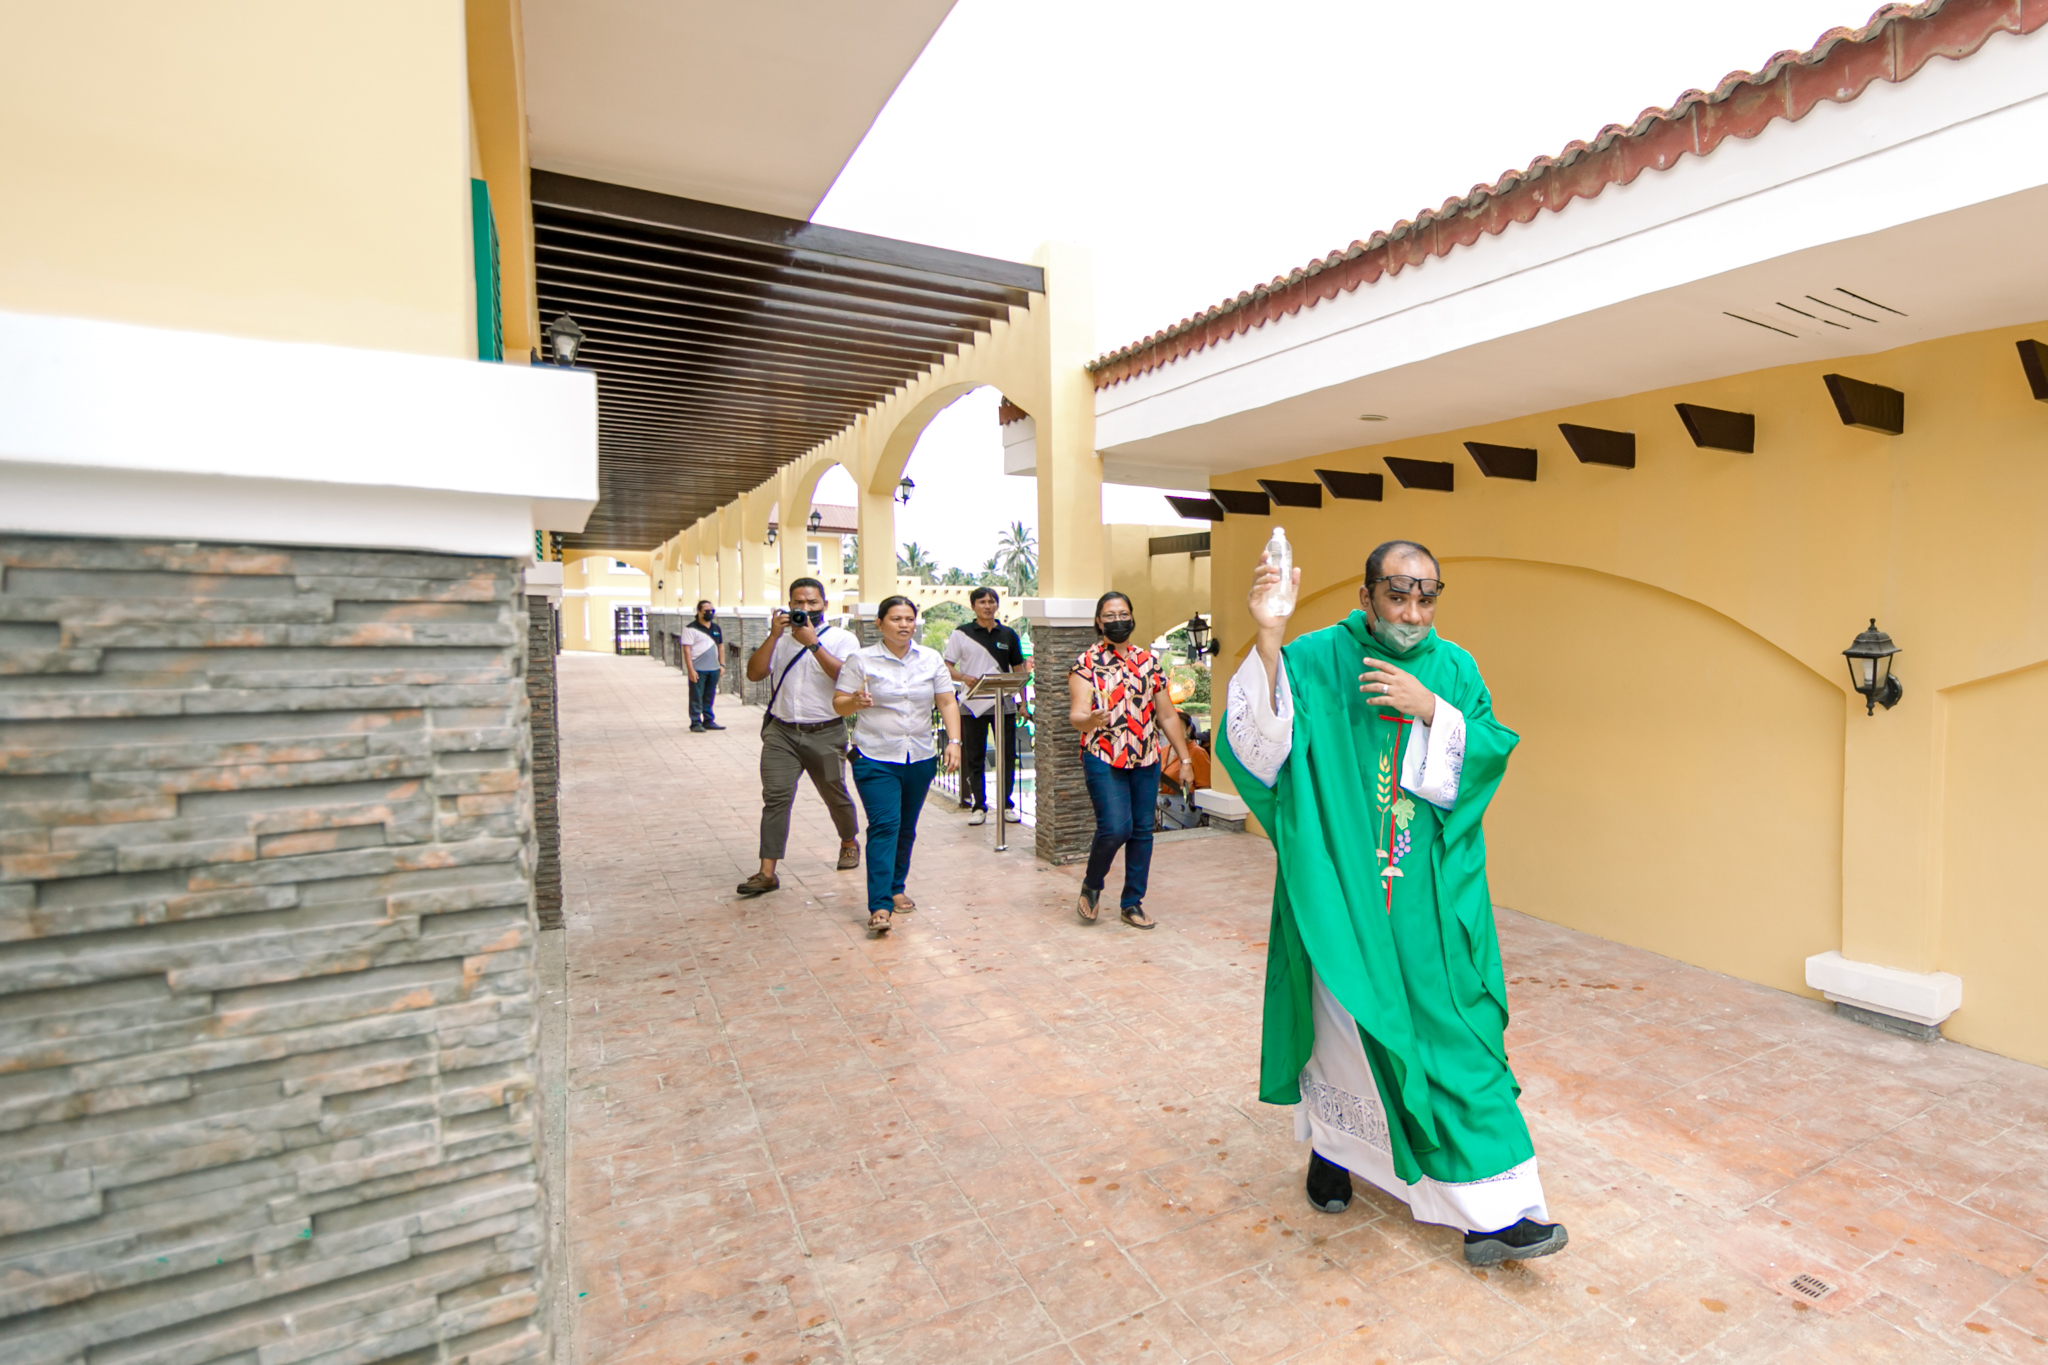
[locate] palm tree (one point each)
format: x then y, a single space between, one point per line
849 555
957 577
992 572
917 563
1018 551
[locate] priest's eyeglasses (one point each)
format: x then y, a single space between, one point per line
1404 584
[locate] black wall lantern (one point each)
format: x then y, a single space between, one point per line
771 535
903 487
817 520
1870 670
1201 642
565 338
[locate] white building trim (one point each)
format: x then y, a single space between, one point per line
1631 290
117 430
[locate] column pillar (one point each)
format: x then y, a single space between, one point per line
793 512
687 576
1060 629
543 596
1070 540
876 514
731 586
752 557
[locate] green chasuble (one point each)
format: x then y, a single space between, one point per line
1422 980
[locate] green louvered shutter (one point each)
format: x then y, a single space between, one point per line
490 317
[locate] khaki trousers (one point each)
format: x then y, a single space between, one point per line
786 754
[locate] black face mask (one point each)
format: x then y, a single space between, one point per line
799 617
710 616
1116 632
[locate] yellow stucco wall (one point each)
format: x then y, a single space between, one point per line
1994 905
1668 641
1164 589
295 172
592 587
1713 871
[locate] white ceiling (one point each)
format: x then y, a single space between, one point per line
752 103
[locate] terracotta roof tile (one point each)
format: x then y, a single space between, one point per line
1898 41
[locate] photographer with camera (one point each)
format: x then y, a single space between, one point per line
801 733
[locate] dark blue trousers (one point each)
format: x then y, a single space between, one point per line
703 692
1126 807
892 794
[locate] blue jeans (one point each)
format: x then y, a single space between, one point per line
703 691
892 794
1126 805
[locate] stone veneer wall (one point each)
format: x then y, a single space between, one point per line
541 648
1066 817
752 631
267 982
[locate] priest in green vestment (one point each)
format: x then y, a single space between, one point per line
1369 751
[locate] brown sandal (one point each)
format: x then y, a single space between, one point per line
1136 917
879 922
904 904
1086 907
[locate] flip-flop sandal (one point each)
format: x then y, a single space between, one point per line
1136 913
1087 907
879 922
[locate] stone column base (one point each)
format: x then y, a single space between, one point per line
1060 630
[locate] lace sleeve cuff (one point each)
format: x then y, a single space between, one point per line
1435 758
1260 735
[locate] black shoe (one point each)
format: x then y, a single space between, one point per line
696 729
1329 1185
713 725
1523 1242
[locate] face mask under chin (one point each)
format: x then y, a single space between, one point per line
1116 632
1398 634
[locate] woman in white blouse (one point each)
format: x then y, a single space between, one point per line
889 689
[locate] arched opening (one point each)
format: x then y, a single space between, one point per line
1701 822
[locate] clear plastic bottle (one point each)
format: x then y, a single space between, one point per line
1280 597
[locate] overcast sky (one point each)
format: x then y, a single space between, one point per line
1198 149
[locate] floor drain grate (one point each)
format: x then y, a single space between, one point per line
1811 1287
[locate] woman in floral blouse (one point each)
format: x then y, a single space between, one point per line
1120 706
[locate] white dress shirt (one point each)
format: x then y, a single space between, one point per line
898 727
806 695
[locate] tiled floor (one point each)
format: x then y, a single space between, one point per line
996 1135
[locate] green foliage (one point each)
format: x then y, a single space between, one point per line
849 555
916 562
1177 641
957 577
939 621
1017 553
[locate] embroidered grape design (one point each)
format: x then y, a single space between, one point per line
1401 842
